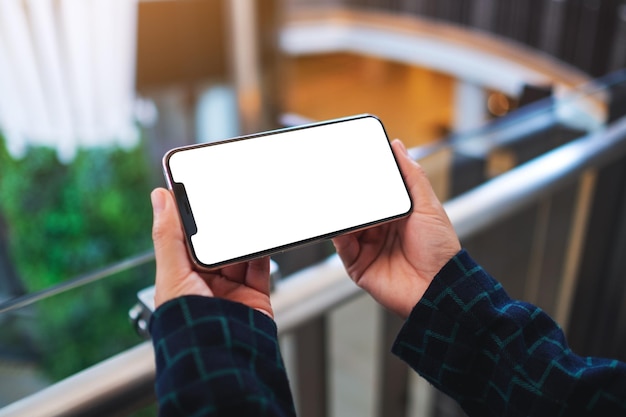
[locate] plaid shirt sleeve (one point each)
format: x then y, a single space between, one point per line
218 358
501 357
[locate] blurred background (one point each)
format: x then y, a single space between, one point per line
94 92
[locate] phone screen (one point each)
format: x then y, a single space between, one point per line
258 194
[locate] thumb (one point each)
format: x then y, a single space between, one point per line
169 243
415 177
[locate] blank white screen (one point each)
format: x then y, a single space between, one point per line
254 195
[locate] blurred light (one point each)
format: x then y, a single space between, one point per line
146 112
217 114
498 104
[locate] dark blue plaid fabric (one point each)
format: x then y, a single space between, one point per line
500 357
218 358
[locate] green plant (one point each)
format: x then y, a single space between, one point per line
68 219
64 220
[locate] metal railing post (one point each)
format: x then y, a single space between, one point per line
311 367
392 387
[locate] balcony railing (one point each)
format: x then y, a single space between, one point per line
125 381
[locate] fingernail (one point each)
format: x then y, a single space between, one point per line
158 201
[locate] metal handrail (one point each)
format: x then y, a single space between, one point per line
314 290
82 280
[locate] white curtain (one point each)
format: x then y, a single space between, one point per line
67 71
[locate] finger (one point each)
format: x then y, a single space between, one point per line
259 268
254 273
258 274
234 272
167 235
424 198
348 248
416 178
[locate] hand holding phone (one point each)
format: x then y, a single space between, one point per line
251 196
396 262
245 282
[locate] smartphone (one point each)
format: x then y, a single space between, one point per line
255 195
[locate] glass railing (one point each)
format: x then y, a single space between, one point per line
64 294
